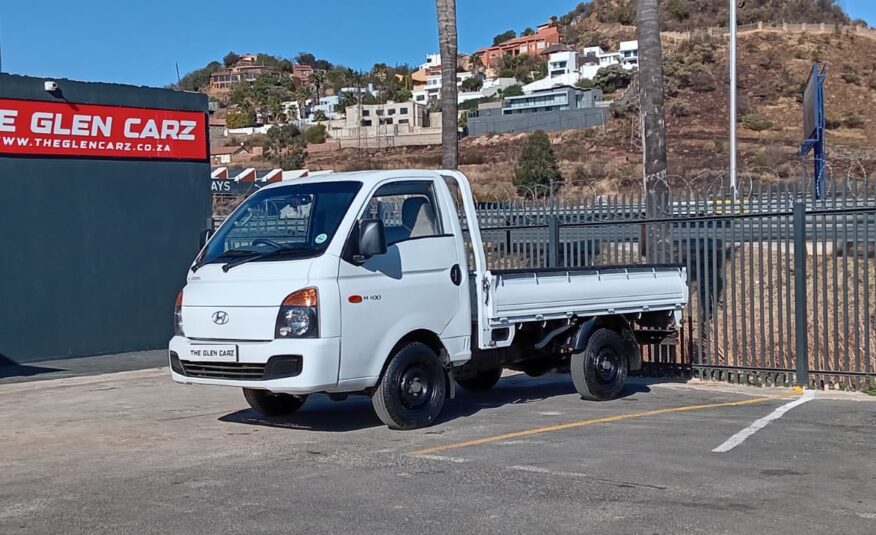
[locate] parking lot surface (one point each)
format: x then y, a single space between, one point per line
132 452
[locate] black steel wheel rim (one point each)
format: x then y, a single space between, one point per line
416 386
608 366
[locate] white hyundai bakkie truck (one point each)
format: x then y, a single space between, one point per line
359 283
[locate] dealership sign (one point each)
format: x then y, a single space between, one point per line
29 127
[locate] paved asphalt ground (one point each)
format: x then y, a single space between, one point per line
131 452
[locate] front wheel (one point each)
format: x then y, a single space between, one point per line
599 372
271 404
410 395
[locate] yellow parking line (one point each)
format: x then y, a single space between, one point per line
592 421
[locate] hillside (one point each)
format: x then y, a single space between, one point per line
772 69
679 15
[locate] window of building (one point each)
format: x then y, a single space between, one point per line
366 113
403 111
390 111
379 112
366 122
403 121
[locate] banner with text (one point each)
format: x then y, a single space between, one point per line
30 127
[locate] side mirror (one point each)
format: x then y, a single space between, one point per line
205 237
372 239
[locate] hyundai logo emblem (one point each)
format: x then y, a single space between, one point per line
220 317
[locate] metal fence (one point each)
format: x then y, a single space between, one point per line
782 286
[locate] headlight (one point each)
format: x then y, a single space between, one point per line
177 315
299 316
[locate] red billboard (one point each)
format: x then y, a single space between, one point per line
31 127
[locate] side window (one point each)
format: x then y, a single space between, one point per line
408 210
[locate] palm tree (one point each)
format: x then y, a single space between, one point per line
317 80
475 64
447 45
301 96
653 120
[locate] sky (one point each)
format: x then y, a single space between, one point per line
140 41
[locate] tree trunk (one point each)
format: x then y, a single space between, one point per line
449 108
654 125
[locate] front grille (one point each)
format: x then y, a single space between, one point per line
241 371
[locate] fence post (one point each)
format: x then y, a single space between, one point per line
800 311
553 240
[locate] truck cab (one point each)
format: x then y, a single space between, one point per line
359 283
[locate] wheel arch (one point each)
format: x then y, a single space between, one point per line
620 325
433 341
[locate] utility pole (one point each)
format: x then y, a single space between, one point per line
733 99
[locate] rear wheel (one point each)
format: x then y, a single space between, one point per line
410 395
600 371
482 380
271 404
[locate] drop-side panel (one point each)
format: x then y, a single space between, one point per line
536 295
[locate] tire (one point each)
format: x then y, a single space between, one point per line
410 394
270 404
599 372
481 381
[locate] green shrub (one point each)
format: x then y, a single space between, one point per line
680 109
513 91
315 134
853 120
832 121
472 84
240 119
850 74
612 78
755 122
623 13
537 167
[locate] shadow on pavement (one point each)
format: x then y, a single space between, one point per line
317 414
10 368
356 412
519 390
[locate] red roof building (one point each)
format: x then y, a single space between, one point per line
547 35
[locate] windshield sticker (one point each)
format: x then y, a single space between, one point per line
321 238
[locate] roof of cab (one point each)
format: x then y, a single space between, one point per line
366 177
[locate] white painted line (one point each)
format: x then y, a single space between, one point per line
443 458
740 437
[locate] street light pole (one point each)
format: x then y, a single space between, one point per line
733 98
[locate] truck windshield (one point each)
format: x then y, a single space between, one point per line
297 220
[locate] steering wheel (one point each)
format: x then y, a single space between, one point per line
265 241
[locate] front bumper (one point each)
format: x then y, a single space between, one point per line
308 365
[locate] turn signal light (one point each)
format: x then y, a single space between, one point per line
302 298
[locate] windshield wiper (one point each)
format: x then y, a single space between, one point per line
231 252
258 256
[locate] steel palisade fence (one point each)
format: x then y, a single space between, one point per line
762 268
782 285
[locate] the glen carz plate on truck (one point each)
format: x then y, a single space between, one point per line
213 353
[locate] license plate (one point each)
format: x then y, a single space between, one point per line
213 353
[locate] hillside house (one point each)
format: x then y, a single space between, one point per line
227 155
547 34
557 108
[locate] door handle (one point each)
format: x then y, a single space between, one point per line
456 275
